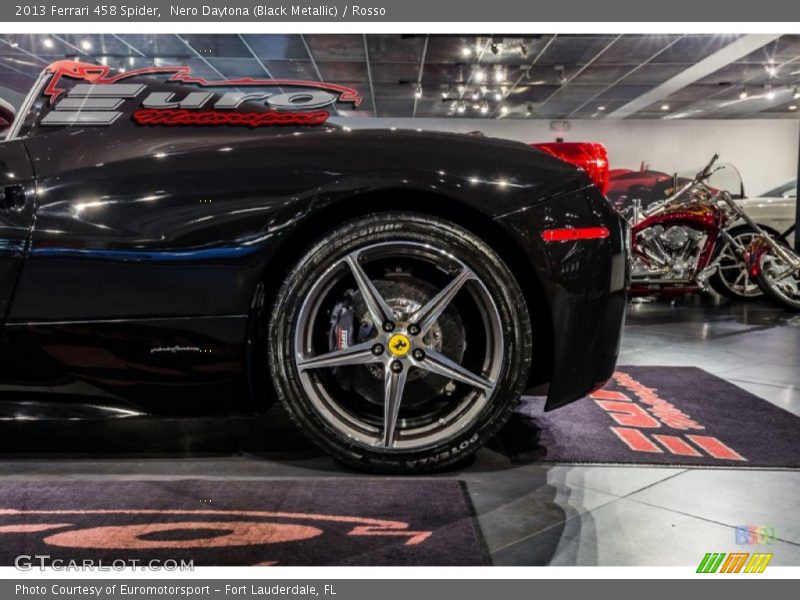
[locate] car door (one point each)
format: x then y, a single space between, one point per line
17 194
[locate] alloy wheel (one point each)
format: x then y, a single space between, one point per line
400 341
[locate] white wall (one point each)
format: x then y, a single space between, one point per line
764 150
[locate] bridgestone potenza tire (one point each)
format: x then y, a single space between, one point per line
510 371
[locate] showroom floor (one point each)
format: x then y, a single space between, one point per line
534 514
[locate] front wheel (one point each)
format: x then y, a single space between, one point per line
732 278
400 343
779 280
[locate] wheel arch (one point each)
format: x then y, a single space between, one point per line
344 209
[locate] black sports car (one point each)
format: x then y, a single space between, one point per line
176 246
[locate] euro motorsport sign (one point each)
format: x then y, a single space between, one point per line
99 96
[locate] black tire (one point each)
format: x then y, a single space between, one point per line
773 291
724 283
410 228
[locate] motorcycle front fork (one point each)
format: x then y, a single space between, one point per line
706 274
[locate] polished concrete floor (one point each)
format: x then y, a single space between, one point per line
534 514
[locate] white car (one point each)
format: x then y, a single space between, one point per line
775 211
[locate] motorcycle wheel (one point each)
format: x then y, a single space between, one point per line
733 280
778 283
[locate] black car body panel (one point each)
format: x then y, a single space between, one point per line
585 284
134 273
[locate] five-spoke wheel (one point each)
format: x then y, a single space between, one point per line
400 347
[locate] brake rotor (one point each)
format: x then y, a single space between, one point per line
405 295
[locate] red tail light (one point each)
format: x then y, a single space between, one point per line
589 156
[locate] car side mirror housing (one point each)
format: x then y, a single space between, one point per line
7 116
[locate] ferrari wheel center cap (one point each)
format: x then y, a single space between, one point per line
399 344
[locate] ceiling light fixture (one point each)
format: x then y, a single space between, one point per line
523 49
461 108
770 95
478 75
504 110
796 94
495 48
743 94
772 70
466 51
418 92
793 107
499 76
475 95
484 108
48 43
529 112
86 45
601 108
665 107
498 96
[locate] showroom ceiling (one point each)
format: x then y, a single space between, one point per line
532 76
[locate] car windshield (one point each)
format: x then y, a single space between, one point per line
787 190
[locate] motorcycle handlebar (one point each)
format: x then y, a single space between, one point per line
706 172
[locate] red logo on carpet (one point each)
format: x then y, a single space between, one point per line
637 417
187 529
